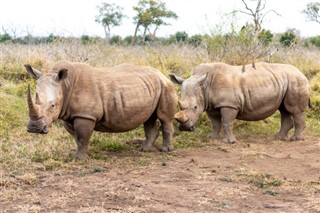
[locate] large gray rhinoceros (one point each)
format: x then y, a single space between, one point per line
226 93
115 99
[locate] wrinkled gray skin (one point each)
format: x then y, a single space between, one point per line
226 93
115 99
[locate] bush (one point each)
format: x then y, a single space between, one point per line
181 36
265 37
196 40
5 37
115 40
314 41
288 38
85 39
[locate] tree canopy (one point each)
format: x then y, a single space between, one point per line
110 15
151 14
313 12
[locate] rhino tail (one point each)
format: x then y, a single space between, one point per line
310 104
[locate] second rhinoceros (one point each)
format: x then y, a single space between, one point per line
114 99
227 92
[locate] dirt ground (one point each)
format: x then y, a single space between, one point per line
252 175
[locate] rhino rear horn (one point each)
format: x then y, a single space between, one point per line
181 117
182 105
38 101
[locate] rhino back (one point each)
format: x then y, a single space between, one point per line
257 92
118 99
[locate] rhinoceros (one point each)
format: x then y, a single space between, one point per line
227 93
114 99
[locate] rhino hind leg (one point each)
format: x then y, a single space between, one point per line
167 133
286 124
228 115
299 124
151 131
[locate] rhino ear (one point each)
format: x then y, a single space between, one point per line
200 78
176 79
62 74
33 72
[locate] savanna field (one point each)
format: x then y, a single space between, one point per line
257 174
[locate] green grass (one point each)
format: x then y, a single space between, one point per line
24 151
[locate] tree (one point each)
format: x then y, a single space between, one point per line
151 13
110 15
257 14
313 12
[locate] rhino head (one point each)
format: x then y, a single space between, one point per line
48 101
192 103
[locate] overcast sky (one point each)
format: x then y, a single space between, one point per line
77 17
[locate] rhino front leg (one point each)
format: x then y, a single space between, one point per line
215 118
151 131
83 129
299 125
228 115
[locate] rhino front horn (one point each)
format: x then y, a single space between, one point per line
181 117
33 112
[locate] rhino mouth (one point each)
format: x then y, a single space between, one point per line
33 128
43 130
183 127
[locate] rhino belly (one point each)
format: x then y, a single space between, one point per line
257 115
126 109
123 122
260 104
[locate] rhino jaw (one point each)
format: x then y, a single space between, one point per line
40 131
183 127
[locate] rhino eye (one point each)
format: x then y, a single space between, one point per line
52 105
195 107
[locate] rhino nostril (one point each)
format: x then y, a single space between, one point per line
45 130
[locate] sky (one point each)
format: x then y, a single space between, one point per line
77 17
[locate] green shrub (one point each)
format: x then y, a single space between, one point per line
287 39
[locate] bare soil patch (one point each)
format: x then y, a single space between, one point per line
252 175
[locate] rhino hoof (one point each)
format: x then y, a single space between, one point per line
147 149
167 148
226 140
296 138
81 156
282 137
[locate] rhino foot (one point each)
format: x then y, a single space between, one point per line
167 148
229 140
282 137
148 149
81 156
296 138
